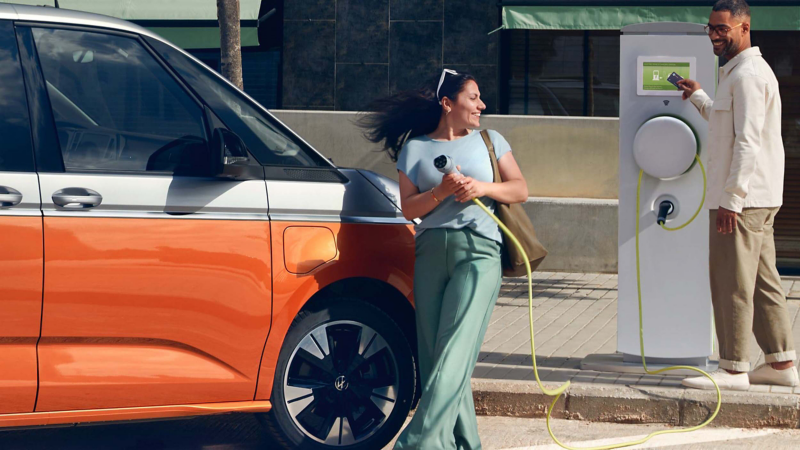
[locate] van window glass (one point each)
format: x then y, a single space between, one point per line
16 151
116 108
269 141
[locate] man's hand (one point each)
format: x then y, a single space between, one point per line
688 87
726 220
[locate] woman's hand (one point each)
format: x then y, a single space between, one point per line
451 183
471 188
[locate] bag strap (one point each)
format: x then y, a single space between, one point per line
492 156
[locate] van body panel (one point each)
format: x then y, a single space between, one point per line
142 312
381 252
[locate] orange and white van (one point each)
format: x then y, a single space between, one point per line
168 248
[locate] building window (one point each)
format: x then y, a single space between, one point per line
561 73
781 50
260 72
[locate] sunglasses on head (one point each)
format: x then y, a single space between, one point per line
441 80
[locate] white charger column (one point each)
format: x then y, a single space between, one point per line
661 134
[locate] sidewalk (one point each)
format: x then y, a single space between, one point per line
575 316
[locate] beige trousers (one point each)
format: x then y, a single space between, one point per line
746 291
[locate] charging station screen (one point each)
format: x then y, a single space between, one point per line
658 75
655 75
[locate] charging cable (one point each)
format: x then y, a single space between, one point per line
445 164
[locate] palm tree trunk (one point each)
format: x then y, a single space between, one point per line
230 41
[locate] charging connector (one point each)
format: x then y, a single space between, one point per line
664 210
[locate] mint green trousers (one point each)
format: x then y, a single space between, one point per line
457 277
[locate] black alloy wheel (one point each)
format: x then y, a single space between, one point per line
345 379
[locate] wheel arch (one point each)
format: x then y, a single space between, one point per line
383 296
378 293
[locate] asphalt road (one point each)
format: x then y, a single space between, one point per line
243 432
225 432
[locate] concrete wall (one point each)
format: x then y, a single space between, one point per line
564 156
579 234
559 156
570 164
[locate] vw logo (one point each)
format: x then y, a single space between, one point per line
341 383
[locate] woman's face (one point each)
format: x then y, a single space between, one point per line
466 110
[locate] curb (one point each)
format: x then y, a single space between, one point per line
637 404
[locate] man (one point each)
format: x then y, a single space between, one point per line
745 191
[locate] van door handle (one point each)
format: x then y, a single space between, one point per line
77 198
9 197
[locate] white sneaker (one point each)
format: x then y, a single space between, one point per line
725 380
766 374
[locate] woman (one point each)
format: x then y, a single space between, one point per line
457 273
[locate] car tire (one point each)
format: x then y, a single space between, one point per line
352 392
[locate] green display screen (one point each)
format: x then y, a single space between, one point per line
655 74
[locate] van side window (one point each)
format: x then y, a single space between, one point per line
268 140
116 108
16 151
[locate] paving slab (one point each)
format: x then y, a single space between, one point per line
575 316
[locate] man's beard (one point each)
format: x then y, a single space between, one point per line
731 49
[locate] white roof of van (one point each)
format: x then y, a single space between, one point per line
68 17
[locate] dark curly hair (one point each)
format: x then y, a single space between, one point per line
409 114
737 8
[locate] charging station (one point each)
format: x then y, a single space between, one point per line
661 134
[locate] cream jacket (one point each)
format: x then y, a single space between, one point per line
745 149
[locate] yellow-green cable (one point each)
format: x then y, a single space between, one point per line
560 390
664 225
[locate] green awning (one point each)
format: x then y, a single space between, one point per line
616 17
186 23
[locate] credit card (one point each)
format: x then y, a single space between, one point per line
674 78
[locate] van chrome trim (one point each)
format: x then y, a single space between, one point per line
139 196
333 218
357 201
157 215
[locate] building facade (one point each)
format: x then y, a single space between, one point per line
341 54
530 57
549 58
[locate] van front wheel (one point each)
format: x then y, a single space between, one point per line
345 379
